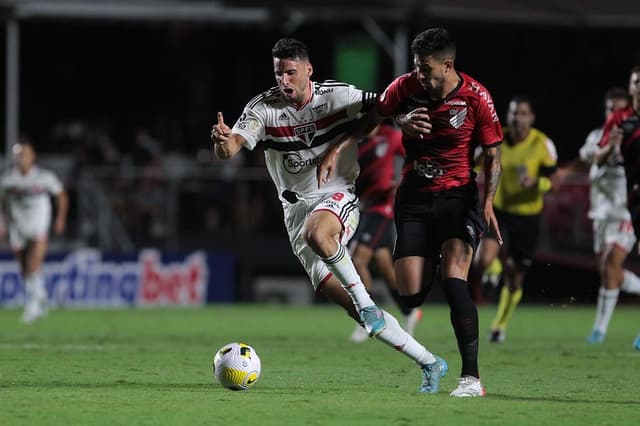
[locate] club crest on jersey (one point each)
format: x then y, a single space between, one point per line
305 132
457 117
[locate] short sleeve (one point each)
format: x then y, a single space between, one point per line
550 154
588 151
53 183
488 129
251 126
390 100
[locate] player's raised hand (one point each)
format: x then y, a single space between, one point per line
417 123
220 132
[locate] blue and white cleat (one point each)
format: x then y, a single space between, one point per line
431 374
636 343
596 337
373 320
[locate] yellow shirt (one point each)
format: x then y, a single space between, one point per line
534 153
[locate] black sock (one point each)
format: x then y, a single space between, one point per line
406 310
464 318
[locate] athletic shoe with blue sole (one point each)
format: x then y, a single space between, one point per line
596 337
431 374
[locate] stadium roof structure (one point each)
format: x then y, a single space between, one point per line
579 13
289 15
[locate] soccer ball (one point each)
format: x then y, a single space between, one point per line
236 366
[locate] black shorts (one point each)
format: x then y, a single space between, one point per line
375 231
520 233
425 220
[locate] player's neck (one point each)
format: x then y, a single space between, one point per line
305 98
451 83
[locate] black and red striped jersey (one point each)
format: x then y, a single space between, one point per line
463 120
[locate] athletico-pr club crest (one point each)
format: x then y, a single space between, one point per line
457 116
305 132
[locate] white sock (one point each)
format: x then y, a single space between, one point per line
394 336
341 266
607 300
631 282
35 291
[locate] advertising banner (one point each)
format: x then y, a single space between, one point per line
88 278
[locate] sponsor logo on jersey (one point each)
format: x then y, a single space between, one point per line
457 103
294 163
323 91
283 117
381 148
305 132
321 108
457 117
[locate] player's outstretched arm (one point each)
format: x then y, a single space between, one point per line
62 207
360 129
225 143
492 171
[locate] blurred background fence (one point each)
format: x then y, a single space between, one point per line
118 98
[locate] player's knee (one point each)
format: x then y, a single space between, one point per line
413 300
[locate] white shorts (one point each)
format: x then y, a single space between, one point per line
610 232
344 204
20 237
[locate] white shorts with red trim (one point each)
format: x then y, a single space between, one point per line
613 232
343 204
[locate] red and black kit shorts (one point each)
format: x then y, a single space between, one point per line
375 231
520 234
424 220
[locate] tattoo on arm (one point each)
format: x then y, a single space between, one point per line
492 171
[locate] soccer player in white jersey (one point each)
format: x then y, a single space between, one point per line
297 122
613 236
25 191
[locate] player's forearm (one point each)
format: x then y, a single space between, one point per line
362 127
492 171
228 148
62 206
603 154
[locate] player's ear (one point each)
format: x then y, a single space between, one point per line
448 64
309 69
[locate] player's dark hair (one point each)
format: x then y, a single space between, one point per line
290 48
616 93
635 69
522 99
434 41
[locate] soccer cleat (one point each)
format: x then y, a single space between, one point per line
431 374
497 336
636 343
596 337
468 386
32 313
359 335
373 320
412 320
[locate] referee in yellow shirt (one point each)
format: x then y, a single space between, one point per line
528 160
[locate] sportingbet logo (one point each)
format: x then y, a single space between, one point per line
85 279
294 163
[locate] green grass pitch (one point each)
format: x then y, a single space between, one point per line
153 367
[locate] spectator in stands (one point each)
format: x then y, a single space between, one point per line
528 159
25 191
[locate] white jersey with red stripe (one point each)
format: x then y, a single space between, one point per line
27 201
297 139
608 182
